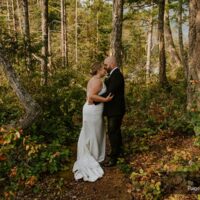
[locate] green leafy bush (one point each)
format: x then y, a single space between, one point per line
44 147
23 158
151 109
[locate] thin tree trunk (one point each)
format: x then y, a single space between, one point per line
149 45
49 51
19 17
116 41
162 56
44 68
180 33
8 15
14 19
97 40
62 5
26 32
64 49
193 92
33 109
66 39
76 32
175 59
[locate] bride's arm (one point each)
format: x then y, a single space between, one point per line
94 90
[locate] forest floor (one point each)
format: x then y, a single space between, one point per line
62 186
147 157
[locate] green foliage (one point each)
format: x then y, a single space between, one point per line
9 111
156 109
43 147
61 103
149 190
124 166
23 158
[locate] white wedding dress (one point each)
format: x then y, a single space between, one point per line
91 143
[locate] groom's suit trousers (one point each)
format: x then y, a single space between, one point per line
114 134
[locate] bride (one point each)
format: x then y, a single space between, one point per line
91 143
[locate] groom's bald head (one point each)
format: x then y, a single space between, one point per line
110 63
111 60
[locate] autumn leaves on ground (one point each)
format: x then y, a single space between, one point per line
139 175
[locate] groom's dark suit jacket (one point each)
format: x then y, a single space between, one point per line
115 85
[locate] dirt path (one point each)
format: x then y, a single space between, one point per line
112 186
62 186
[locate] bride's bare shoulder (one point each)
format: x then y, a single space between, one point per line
95 81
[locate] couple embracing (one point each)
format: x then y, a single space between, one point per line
103 99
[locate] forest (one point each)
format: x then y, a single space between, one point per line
47 48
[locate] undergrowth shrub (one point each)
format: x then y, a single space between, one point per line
150 109
26 155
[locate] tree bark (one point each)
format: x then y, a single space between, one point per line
149 45
97 37
175 59
49 51
116 40
193 92
44 63
62 5
32 109
8 15
64 49
14 19
19 16
162 56
181 46
76 32
26 33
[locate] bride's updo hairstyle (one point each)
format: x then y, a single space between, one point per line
95 67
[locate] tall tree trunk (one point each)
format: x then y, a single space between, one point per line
44 68
193 93
33 110
62 5
19 17
38 2
180 33
97 39
117 20
8 15
66 39
49 51
14 19
64 49
162 56
26 32
175 59
76 32
149 45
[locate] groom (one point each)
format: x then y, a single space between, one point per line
115 109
